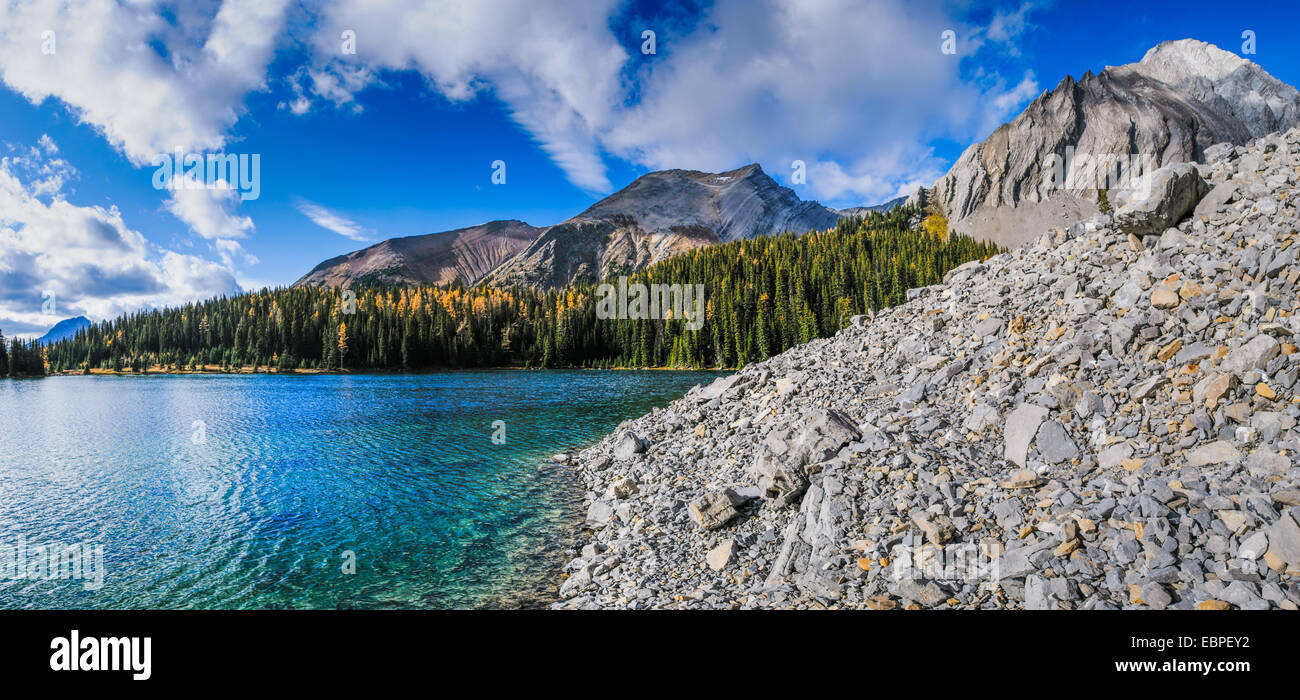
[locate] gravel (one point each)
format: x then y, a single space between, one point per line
1101 421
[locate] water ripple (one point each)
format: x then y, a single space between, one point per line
258 505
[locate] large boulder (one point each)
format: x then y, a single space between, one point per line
1019 430
780 475
1166 196
781 468
629 445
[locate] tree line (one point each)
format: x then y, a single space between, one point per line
21 359
762 296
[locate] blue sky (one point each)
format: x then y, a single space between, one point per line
399 137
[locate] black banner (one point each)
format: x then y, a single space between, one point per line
537 649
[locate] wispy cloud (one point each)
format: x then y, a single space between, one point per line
328 220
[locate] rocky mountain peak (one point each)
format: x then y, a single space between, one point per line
1189 57
658 215
1179 100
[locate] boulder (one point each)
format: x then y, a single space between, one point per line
622 488
1165 197
1284 540
1054 444
720 556
1254 355
1214 453
1019 430
629 445
600 512
781 469
714 509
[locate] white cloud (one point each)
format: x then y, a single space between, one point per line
857 87
554 63
331 221
1002 105
151 77
780 80
209 211
1006 28
87 257
231 252
45 174
106 68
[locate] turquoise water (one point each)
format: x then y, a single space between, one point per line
259 505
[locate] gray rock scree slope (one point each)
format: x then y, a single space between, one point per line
1106 418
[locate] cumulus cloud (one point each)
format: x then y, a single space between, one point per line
554 63
149 85
151 77
209 211
856 87
331 221
335 82
85 259
45 174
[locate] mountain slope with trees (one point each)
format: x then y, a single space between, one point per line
762 296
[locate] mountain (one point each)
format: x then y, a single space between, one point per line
658 215
863 211
66 328
465 255
1180 99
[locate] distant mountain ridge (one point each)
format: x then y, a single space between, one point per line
658 215
464 255
66 328
1182 98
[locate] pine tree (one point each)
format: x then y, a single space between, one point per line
763 295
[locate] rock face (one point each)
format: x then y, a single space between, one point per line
658 215
1058 442
1181 99
465 255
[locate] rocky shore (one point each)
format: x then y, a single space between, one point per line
1106 418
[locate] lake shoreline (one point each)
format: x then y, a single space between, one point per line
247 371
541 589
